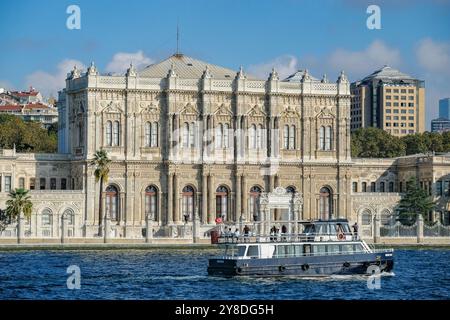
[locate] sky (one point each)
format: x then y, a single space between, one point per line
323 36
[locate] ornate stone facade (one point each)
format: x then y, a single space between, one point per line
189 139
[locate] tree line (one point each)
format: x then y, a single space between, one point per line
27 136
377 143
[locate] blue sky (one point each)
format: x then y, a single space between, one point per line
323 36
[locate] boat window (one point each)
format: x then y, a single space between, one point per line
309 228
307 249
290 250
320 249
346 228
298 250
252 252
333 248
334 229
347 248
241 251
358 248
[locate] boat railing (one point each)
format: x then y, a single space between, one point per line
226 238
302 254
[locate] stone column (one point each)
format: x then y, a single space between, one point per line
238 211
169 219
419 228
204 199
211 213
20 228
148 228
244 204
63 227
376 231
107 230
176 213
196 226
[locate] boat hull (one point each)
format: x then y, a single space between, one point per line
307 266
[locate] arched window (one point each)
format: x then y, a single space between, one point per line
259 137
292 137
355 186
70 216
373 187
112 203
286 137
154 137
222 202
322 138
325 204
186 135
290 189
151 202
255 193
80 134
116 133
391 186
364 187
219 136
192 135
328 134
188 203
148 129
382 187
226 141
47 217
252 137
108 133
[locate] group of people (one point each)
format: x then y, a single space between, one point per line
228 233
275 233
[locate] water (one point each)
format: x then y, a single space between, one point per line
181 274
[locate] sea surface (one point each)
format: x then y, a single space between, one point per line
181 274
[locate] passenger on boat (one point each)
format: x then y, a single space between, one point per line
236 234
246 233
283 232
355 230
273 233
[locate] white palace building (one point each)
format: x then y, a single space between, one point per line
191 141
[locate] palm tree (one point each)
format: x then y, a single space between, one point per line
101 164
19 202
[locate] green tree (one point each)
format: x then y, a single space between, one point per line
101 164
19 202
415 201
375 143
415 143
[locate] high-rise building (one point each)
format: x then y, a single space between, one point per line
444 108
440 125
390 100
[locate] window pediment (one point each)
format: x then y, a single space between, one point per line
110 107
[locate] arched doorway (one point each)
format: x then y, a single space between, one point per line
325 203
366 223
151 202
112 203
222 202
69 215
188 203
47 223
255 193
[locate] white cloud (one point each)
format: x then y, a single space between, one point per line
50 83
434 56
360 63
285 65
121 61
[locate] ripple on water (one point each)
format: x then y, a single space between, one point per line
181 274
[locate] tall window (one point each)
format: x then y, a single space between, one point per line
292 137
108 133
226 141
286 137
373 187
70 216
7 183
151 204
192 134
252 137
438 188
112 202
325 204
63 183
42 183
154 138
222 202
260 137
219 136
46 217
32 183
188 135
328 137
364 187
116 133
22 183
355 186
52 183
148 133
391 186
255 193
322 138
188 203
80 134
382 186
